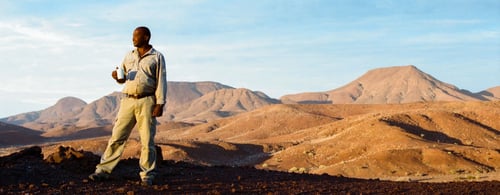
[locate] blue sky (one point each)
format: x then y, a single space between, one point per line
54 49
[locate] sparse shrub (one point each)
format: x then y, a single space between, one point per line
310 153
297 170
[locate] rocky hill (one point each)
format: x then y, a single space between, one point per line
180 93
199 102
491 93
191 102
11 135
221 103
357 140
399 84
411 141
447 131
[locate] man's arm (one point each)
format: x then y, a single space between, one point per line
158 110
161 87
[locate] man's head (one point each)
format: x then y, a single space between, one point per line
141 36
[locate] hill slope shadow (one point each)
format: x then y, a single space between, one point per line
219 153
424 133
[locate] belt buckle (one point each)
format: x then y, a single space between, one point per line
138 96
131 96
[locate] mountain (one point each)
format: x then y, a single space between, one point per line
399 84
16 135
186 102
259 125
179 93
222 103
100 112
199 102
61 114
491 93
442 131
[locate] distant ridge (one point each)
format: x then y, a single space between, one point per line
491 93
200 102
398 84
191 102
183 92
62 113
16 135
222 103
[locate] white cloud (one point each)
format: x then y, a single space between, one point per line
42 62
39 32
453 38
263 45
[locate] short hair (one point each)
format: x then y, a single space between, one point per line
145 30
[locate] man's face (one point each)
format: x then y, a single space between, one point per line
139 38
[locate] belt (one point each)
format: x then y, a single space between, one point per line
137 96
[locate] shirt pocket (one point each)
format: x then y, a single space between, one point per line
149 64
132 75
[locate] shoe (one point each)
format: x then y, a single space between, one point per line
147 182
99 176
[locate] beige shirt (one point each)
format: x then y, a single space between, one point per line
146 74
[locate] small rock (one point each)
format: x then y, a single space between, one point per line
403 179
121 190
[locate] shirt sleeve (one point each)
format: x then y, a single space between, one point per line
161 87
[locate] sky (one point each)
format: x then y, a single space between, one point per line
51 49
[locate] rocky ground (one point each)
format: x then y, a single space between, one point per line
66 171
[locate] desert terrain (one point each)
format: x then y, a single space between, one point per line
393 130
443 141
65 172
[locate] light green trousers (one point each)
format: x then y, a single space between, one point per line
132 111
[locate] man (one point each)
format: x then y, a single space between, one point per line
144 98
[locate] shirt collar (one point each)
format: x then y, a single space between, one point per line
151 51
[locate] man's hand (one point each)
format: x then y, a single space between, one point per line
157 110
115 76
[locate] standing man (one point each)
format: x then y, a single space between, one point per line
144 93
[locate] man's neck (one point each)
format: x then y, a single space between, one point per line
143 49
